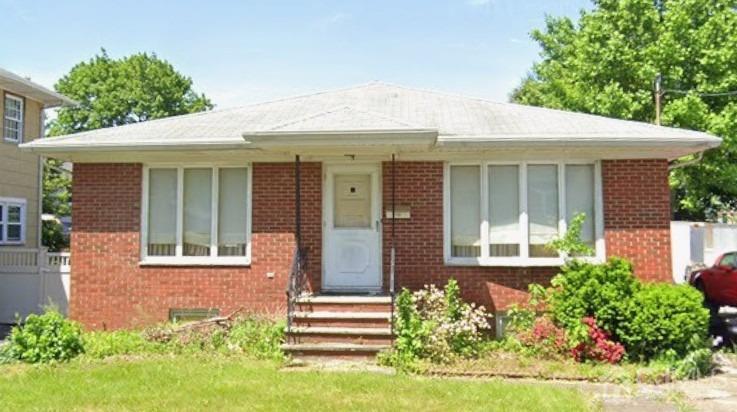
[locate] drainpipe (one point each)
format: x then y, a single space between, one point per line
677 165
297 203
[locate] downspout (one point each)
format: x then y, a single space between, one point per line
297 203
392 257
677 165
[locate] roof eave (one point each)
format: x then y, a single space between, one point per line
41 147
25 87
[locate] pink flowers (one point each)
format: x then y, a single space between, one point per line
598 345
545 337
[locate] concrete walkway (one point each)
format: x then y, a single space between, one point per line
714 393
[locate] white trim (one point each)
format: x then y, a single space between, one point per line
523 259
7 202
179 259
19 119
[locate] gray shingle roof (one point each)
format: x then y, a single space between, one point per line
17 84
381 106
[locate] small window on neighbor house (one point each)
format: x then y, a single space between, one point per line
12 218
197 215
13 119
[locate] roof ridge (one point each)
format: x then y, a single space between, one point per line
336 109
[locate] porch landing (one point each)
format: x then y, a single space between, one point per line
339 326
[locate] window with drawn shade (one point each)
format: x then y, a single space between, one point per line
508 213
197 213
504 212
464 211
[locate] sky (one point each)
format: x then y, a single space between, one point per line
241 52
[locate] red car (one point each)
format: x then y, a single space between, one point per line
719 282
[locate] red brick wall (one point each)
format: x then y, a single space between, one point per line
637 215
637 225
111 290
419 243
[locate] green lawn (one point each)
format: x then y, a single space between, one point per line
232 383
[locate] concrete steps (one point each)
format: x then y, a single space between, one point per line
328 326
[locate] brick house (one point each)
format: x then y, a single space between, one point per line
350 195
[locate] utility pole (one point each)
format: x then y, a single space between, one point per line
658 95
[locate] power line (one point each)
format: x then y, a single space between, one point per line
715 94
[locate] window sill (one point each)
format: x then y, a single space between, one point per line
195 261
514 262
13 141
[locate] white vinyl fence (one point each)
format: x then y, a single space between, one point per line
31 279
699 243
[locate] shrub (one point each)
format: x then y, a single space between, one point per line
570 244
258 337
544 338
437 325
596 345
601 291
661 318
121 342
46 338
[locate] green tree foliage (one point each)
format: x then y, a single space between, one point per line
113 92
605 64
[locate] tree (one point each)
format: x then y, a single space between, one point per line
605 64
132 89
114 92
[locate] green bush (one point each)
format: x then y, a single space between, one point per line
121 342
437 325
46 338
257 337
663 317
602 291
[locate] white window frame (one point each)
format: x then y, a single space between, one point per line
524 260
19 120
179 259
11 201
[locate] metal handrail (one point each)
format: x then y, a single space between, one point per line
297 283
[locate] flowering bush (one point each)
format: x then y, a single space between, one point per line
597 345
544 338
436 324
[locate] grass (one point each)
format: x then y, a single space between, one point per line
236 383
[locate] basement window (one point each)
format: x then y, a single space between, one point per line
180 315
504 214
196 215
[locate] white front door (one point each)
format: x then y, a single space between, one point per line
352 231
